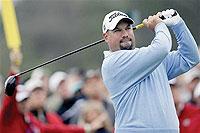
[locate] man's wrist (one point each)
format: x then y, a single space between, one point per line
159 26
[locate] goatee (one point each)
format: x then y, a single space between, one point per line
126 47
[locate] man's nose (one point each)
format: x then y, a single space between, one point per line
124 33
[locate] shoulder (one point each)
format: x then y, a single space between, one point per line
118 58
119 54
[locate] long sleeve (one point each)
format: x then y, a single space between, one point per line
9 108
55 127
186 56
138 84
11 120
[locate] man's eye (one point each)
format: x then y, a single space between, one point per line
129 27
116 30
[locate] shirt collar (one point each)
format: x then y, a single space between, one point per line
107 53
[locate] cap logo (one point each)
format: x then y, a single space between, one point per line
116 14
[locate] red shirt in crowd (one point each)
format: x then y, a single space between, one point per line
12 121
190 119
54 125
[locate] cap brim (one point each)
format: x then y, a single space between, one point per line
21 96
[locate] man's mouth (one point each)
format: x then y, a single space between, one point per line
126 40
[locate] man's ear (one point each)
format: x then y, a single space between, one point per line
105 36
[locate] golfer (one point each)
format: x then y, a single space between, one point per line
137 78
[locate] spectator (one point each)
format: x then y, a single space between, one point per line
72 98
12 114
57 90
193 79
47 122
41 74
37 100
188 114
196 98
92 89
93 111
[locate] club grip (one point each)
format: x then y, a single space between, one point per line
139 26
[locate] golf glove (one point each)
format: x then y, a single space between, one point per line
170 17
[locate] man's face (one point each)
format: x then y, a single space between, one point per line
22 106
37 98
121 38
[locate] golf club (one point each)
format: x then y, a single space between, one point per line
10 82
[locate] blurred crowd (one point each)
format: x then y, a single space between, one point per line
76 101
186 94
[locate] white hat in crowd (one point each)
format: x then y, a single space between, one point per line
55 80
32 84
197 91
22 93
112 19
192 74
38 73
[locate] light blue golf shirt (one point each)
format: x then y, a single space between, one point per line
137 81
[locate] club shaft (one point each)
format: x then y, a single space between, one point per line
70 53
60 57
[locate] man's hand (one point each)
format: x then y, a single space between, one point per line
170 17
152 21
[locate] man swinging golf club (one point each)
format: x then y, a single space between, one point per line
137 78
10 83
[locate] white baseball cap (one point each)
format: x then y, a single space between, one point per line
55 80
22 93
197 91
32 84
112 19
